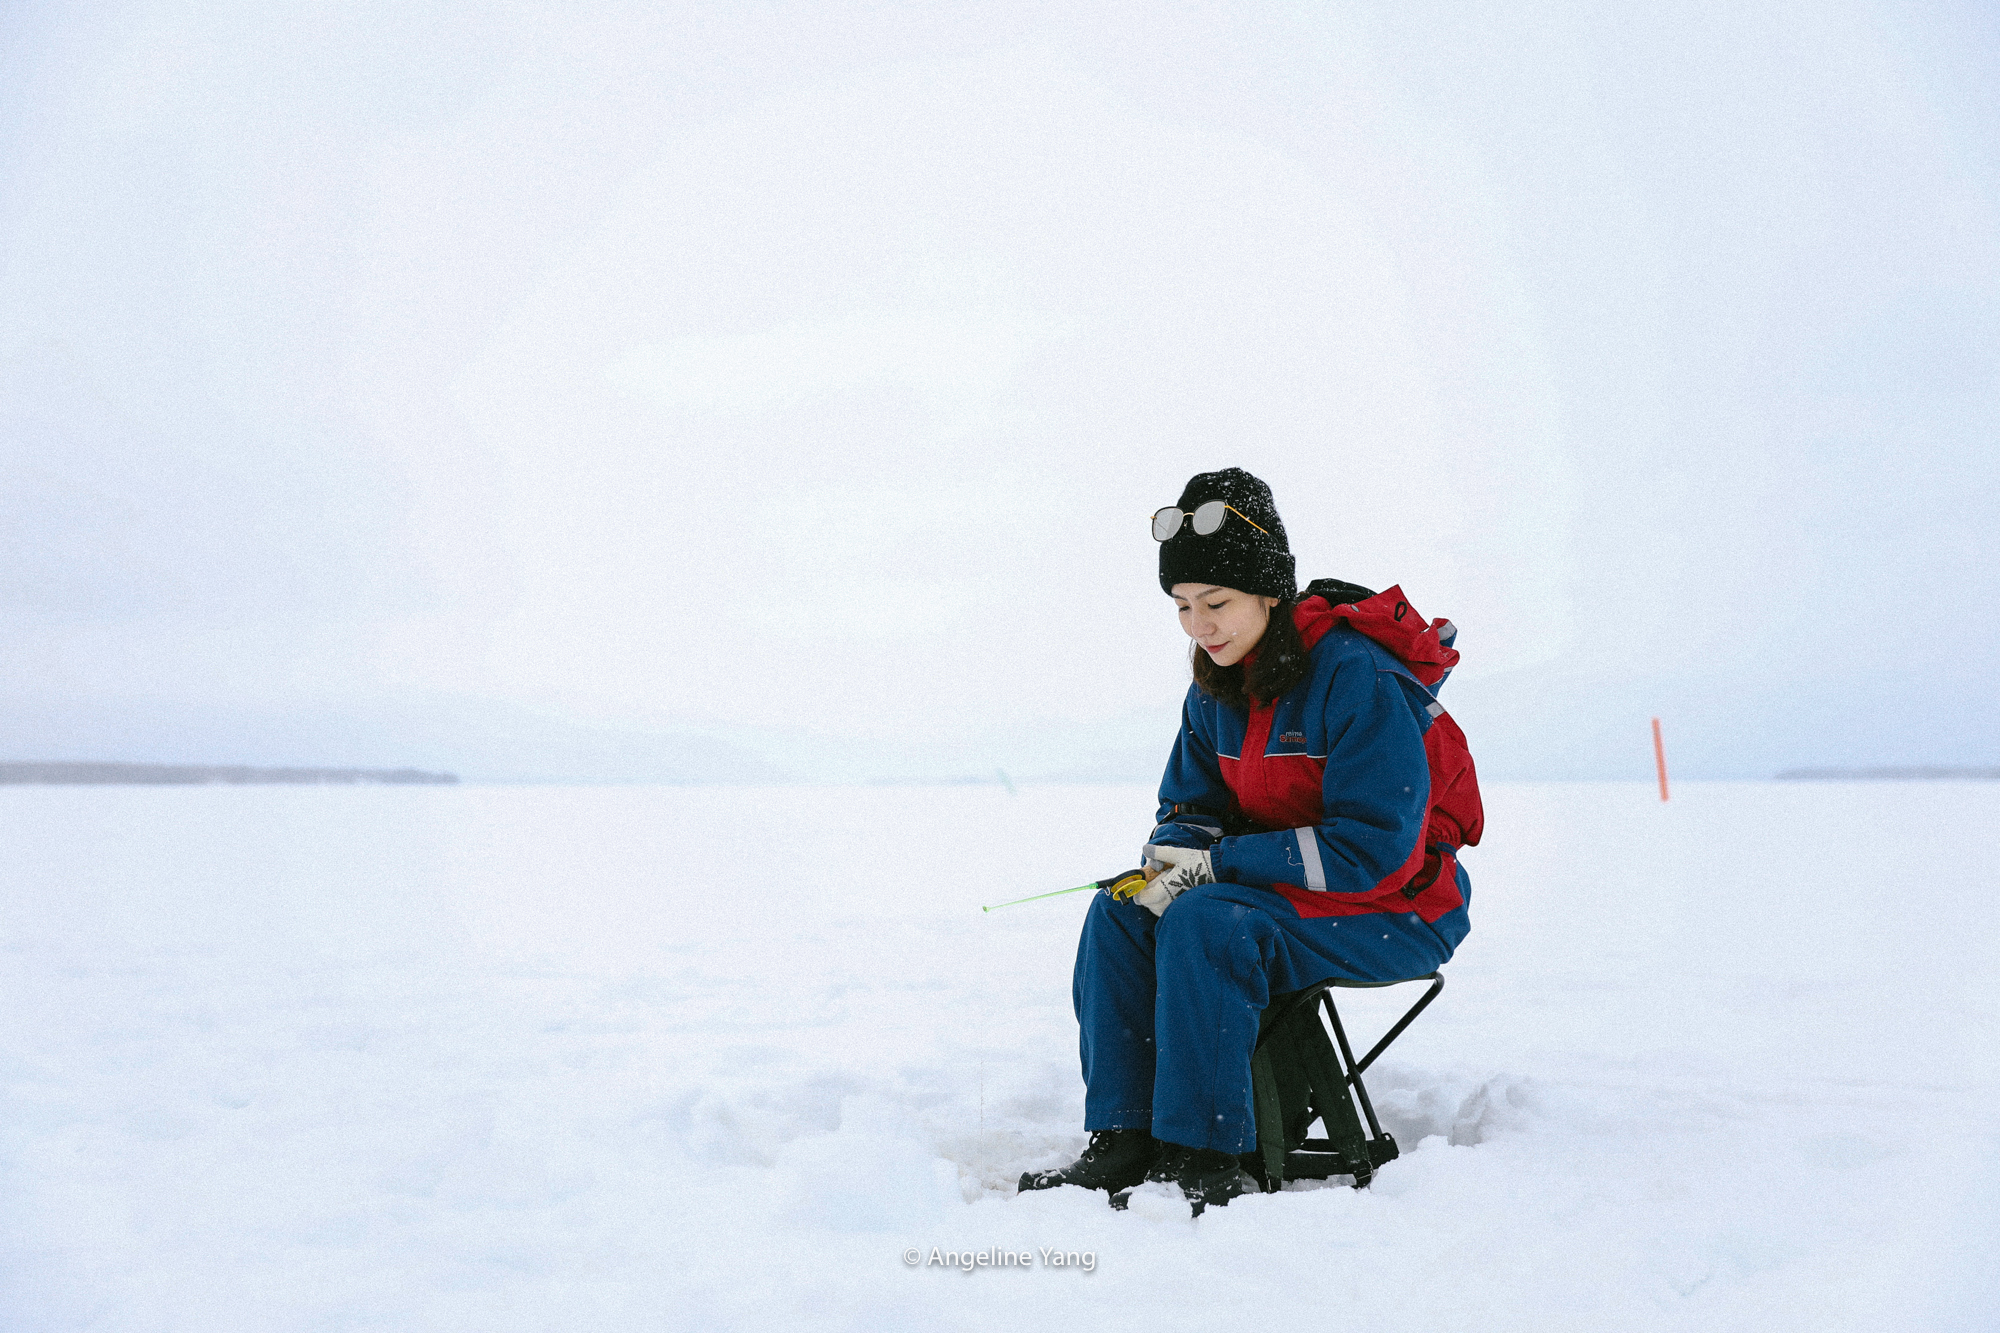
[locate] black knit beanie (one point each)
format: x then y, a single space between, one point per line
1235 555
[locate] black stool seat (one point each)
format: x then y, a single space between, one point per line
1298 1076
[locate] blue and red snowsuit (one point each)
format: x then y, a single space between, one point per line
1365 791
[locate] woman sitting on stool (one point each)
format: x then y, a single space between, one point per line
1308 827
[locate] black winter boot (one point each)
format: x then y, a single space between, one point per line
1115 1159
1204 1175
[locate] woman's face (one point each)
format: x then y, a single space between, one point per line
1224 622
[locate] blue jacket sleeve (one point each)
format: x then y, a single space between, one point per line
1193 796
1374 798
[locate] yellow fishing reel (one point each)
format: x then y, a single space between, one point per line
1124 886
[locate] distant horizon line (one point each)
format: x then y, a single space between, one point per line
112 773
98 773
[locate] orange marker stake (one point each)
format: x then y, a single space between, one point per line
1660 758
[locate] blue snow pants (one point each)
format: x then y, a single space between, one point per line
1167 1006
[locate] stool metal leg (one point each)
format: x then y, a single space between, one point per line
1437 984
1353 1078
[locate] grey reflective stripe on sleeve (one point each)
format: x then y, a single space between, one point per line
1309 853
1447 632
1434 708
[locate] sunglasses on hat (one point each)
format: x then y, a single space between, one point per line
1207 518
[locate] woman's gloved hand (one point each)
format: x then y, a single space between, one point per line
1186 868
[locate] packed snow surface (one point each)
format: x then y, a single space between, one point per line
616 1059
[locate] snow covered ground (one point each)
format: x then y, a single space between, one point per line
667 1058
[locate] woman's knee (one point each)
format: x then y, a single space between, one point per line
1205 909
1211 921
1113 923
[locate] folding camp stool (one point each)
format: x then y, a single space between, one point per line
1297 1076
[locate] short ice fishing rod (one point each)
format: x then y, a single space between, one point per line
1119 886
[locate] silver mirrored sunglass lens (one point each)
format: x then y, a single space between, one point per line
1166 523
1209 517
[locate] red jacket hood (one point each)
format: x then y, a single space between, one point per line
1390 620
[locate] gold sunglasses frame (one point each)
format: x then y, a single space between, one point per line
1188 516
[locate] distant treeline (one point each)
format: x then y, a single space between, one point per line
195 775
1932 774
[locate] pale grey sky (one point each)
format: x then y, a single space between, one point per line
737 389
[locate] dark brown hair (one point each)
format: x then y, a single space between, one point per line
1281 662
